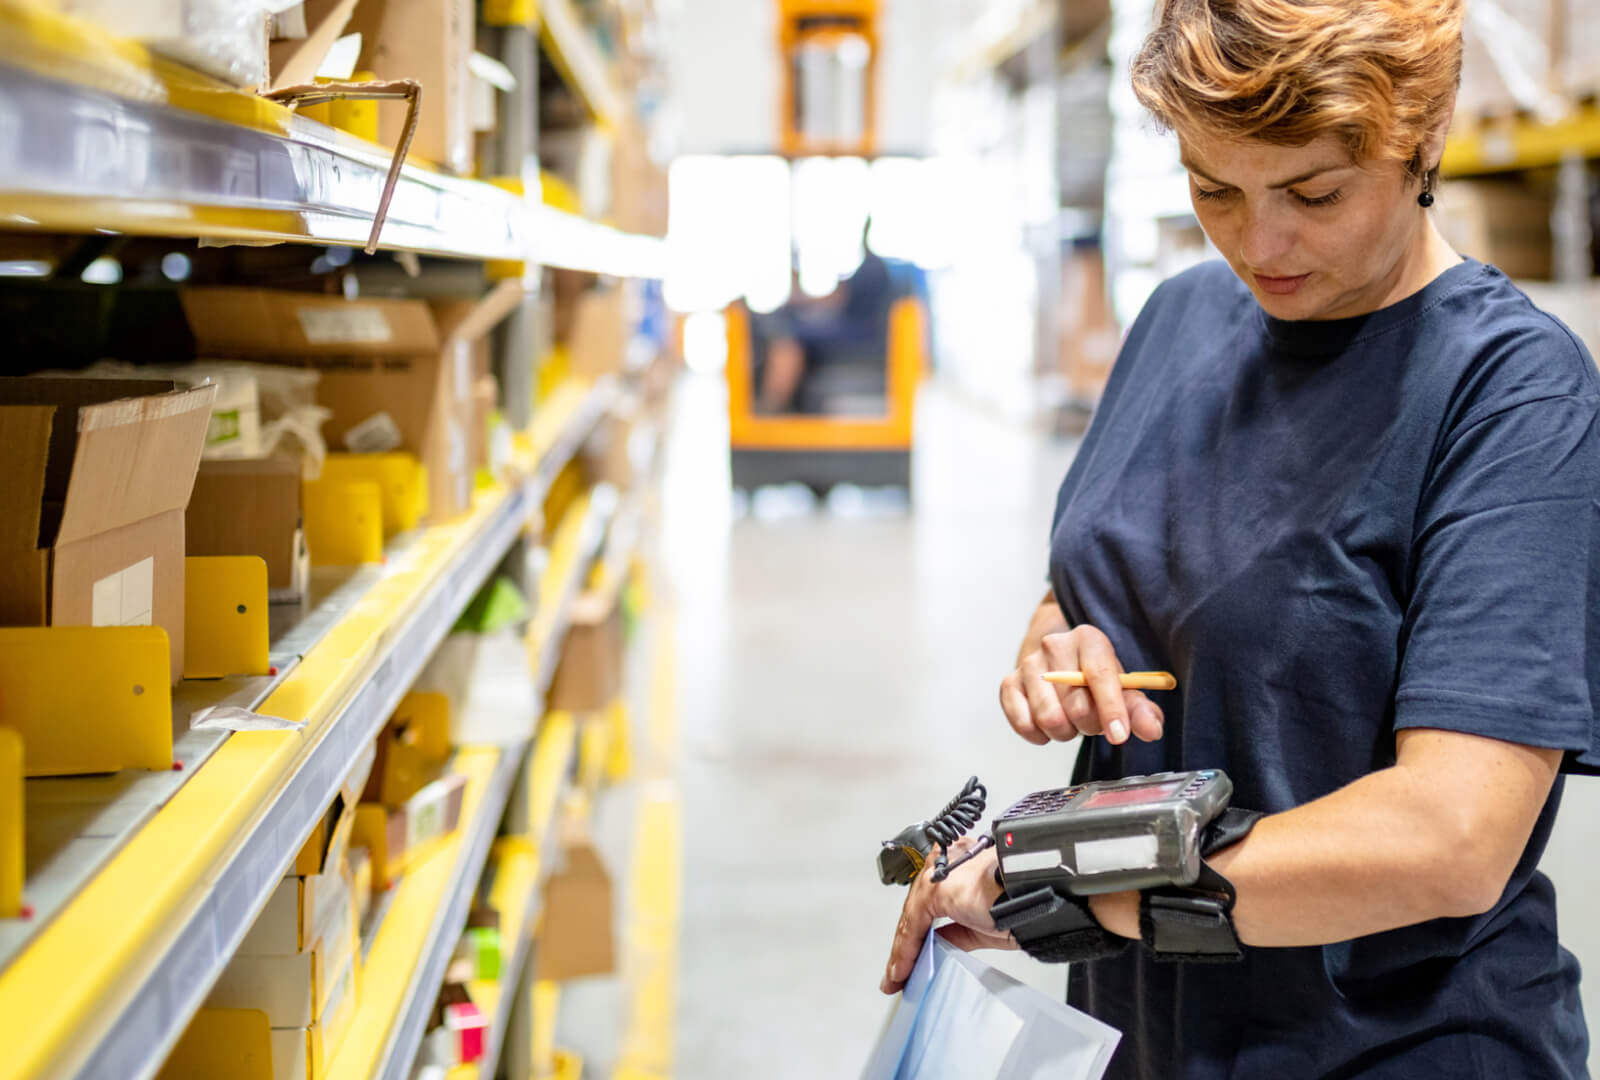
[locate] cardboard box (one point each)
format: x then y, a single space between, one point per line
307 1053
638 185
253 508
97 475
361 884
395 838
576 935
293 989
396 374
589 676
600 333
1502 222
608 456
411 749
430 41
295 911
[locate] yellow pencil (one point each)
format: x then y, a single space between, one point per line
1131 680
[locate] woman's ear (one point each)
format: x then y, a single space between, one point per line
1433 143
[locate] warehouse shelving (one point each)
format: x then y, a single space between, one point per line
186 876
578 59
519 873
1521 142
97 135
418 934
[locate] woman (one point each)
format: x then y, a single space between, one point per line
1345 488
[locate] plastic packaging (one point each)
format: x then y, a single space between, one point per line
226 39
260 410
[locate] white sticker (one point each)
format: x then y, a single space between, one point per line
1118 853
343 325
377 434
127 597
463 373
1024 861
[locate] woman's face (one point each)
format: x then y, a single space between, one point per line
1313 234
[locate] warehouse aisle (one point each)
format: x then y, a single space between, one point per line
837 681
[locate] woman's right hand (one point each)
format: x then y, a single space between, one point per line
1041 711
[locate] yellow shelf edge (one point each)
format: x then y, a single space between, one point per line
1520 143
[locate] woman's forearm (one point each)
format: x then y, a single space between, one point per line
1399 846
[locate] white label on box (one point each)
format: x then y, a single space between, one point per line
127 597
342 326
377 434
1118 853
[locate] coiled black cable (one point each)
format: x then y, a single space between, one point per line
951 824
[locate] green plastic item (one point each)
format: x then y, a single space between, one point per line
499 604
485 941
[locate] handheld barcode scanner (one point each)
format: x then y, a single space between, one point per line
1060 846
1134 833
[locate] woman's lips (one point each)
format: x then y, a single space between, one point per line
1280 286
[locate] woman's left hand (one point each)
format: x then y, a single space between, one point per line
965 896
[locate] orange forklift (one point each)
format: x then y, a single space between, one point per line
851 417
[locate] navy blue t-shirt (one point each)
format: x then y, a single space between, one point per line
1329 531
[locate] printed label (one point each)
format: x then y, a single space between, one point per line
127 597
343 326
1118 853
1024 861
377 434
223 427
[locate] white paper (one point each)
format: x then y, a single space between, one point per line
126 598
960 1019
340 63
357 323
232 718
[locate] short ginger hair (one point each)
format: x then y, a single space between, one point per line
1378 74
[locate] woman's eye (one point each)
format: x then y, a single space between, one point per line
1212 193
1320 200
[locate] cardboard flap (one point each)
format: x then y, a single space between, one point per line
25 449
236 321
297 61
68 395
136 458
467 322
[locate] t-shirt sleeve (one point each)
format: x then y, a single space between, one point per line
1500 633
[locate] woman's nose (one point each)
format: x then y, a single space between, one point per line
1264 241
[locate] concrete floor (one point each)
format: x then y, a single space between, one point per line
837 677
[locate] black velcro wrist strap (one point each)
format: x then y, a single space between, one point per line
1054 927
1227 829
1188 927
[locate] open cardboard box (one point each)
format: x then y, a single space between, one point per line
396 373
97 474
